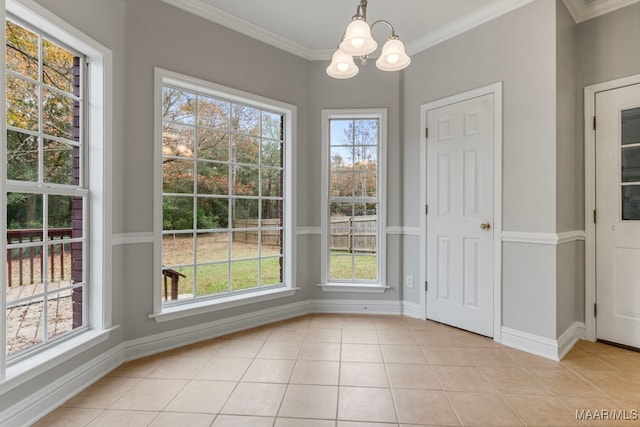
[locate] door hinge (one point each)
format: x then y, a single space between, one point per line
595 216
426 285
594 122
595 310
426 133
426 209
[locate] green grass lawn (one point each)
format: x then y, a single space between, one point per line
213 279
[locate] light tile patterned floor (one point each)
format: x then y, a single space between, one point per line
357 371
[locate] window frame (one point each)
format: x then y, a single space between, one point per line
204 304
97 132
380 285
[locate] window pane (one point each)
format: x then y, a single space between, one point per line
340 266
365 268
60 312
178 106
271 271
58 163
177 249
57 114
272 213
65 216
338 209
58 67
245 244
213 178
631 202
244 275
271 241
213 279
631 126
22 156
364 132
365 232
272 153
246 149
342 184
341 132
272 183
213 113
245 181
365 184
177 140
24 211
212 213
22 103
272 125
24 325
177 176
177 283
341 159
212 247
62 262
631 164
244 209
22 50
245 120
177 213
213 145
24 268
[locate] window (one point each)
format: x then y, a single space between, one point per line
225 216
353 199
55 269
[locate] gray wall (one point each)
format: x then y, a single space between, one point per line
164 36
570 174
105 25
518 49
371 88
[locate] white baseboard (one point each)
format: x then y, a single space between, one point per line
545 347
354 306
530 343
412 309
51 396
568 339
157 343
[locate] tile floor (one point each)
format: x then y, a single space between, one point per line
357 371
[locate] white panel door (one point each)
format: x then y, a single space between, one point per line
460 214
618 215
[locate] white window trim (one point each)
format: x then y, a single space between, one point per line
99 113
205 305
364 113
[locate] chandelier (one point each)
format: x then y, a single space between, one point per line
357 41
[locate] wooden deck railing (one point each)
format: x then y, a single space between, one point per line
30 258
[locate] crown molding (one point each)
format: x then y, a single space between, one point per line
485 14
213 14
207 11
582 11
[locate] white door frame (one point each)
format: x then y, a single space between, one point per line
496 90
590 195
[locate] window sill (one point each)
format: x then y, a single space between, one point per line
32 366
211 305
350 287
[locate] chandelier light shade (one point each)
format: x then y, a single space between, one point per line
357 41
393 56
342 66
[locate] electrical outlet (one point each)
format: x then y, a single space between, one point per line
409 281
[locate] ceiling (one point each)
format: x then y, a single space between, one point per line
312 29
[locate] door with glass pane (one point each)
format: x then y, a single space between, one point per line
618 215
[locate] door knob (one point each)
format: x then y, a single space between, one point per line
485 226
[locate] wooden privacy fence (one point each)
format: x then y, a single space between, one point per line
26 263
271 235
354 234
